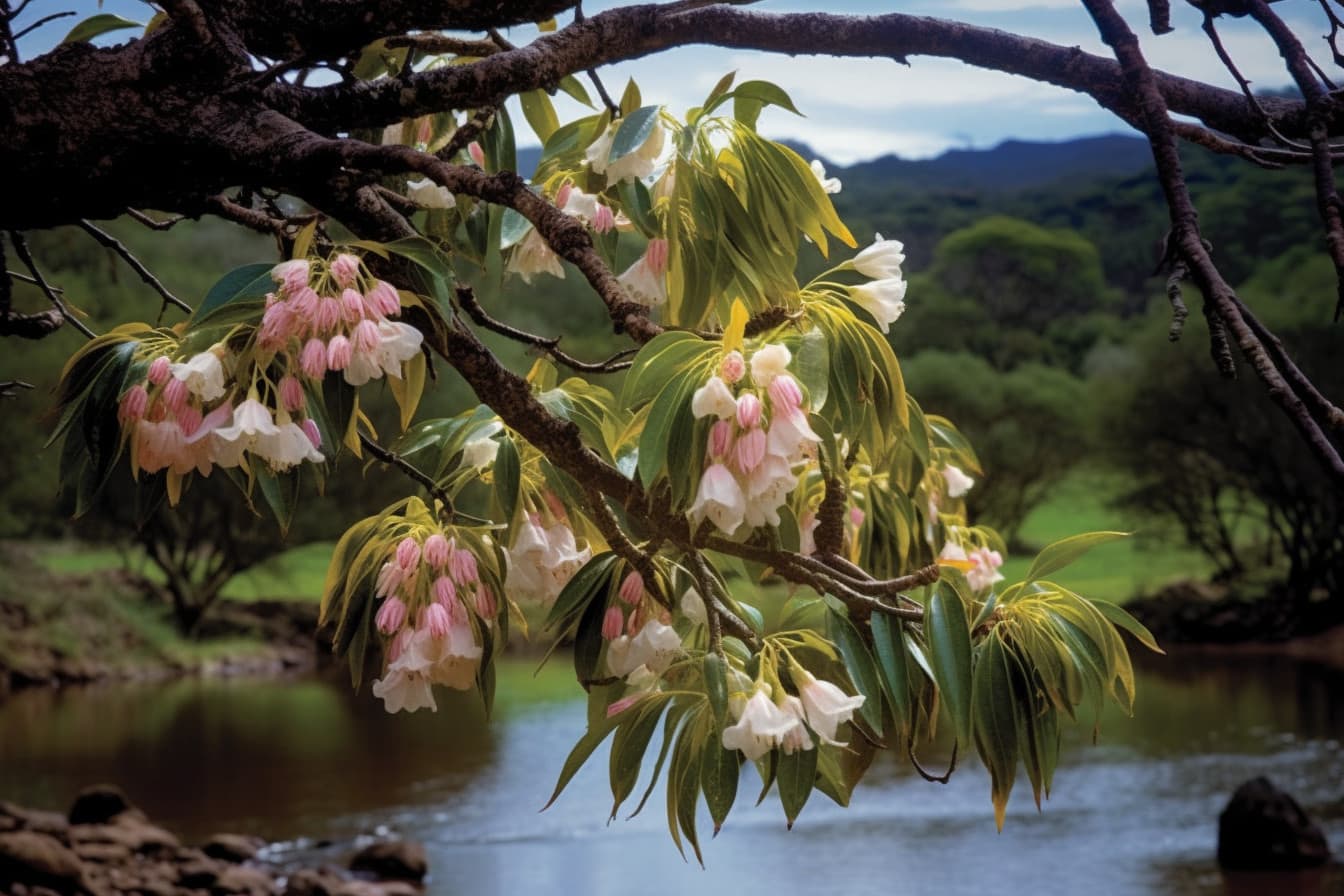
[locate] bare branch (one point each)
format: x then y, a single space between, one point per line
106 239
53 296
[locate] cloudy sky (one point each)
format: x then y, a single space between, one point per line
858 109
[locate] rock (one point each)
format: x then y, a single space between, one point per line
102 853
1264 829
199 873
128 831
239 880
233 847
53 823
98 804
312 882
381 888
39 860
392 860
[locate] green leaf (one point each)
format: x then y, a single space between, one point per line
580 591
628 748
796 773
98 24
813 364
588 640
281 491
540 113
889 645
995 720
859 664
572 86
591 740
716 687
249 283
949 639
1060 554
669 418
719 773
633 131
1120 616
508 478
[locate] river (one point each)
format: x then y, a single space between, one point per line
303 762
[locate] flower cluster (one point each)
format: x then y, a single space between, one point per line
981 564
763 723
544 556
640 641
884 295
179 418
760 434
633 166
429 589
646 279
347 329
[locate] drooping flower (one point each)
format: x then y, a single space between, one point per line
451 660
482 449
291 394
654 647
958 483
693 607
532 256
543 559
880 261
645 279
401 689
159 370
408 553
638 164
632 588
785 394
203 374
719 499
427 194
252 420
436 550
291 275
760 726
796 738
288 447
985 572
768 362
828 184
732 368
391 615
133 404
883 299
827 707
715 398
613 623
344 269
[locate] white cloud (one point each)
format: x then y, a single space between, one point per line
847 145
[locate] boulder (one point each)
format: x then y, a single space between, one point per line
239 880
233 847
127 830
1264 829
312 882
392 860
98 804
13 816
39 860
198 873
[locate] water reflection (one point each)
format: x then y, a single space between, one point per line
1135 814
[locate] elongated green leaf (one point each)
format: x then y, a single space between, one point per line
591 740
588 640
507 478
859 664
1121 617
719 773
249 283
716 687
629 746
574 87
995 720
540 113
98 24
1060 554
634 129
949 638
796 774
586 584
889 645
670 420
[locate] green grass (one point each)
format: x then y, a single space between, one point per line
1116 571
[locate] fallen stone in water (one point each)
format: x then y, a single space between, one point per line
392 860
1264 829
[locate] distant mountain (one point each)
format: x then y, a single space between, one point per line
1012 165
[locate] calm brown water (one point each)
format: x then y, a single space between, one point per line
306 761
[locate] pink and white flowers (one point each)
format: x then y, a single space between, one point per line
543 559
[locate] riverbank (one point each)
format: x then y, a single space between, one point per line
62 628
106 846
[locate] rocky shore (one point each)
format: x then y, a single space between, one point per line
105 846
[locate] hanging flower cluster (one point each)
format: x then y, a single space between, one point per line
336 317
761 433
884 295
764 722
429 588
544 555
980 564
641 642
181 417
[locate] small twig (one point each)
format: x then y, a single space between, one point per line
423 479
929 776
1332 37
21 250
467 301
152 224
1159 16
10 388
1212 31
42 21
472 128
117 246
601 88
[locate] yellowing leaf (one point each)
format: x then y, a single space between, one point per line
737 327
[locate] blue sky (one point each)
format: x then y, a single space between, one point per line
859 109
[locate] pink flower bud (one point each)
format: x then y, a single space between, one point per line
623 704
328 315
732 368
313 359
383 300
399 644
444 592
721 438
613 623
784 393
486 605
352 307
562 195
856 517
344 269
366 338
291 275
437 551
276 324
189 420
175 395
291 394
133 403
656 257
604 221
748 410
436 620
391 615
408 553
159 369
390 575
632 588
477 154
339 353
462 565
312 432
304 304
751 449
